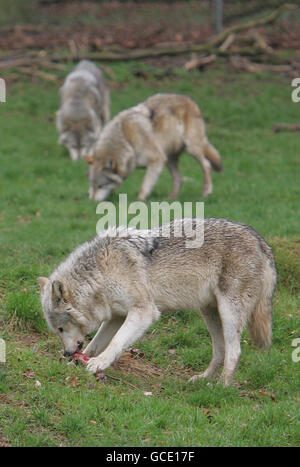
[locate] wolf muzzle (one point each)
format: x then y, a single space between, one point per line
69 354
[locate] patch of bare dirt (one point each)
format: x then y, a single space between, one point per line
136 365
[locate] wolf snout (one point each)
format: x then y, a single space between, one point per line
67 353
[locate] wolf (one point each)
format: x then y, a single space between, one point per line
119 285
84 109
151 135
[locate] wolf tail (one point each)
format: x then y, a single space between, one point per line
213 156
260 325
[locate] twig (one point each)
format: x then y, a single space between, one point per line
198 62
122 381
260 41
285 127
228 42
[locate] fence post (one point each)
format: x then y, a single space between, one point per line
219 15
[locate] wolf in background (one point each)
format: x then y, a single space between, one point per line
151 135
84 109
120 285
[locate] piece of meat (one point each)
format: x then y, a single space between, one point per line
80 357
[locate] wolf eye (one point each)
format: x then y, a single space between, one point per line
60 329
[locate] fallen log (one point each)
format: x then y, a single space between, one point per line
140 54
243 64
38 73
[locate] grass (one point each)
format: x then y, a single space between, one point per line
45 213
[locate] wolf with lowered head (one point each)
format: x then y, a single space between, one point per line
84 109
151 135
119 285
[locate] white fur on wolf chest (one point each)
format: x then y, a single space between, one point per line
120 302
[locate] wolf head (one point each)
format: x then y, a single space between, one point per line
104 177
79 130
62 316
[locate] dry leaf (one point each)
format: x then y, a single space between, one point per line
74 382
28 374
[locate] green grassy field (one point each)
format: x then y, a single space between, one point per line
45 213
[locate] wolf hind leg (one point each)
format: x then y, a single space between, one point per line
172 165
234 318
195 140
214 326
198 153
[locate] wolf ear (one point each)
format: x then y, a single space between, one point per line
58 290
42 281
89 159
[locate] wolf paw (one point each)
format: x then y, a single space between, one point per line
195 377
98 364
207 191
205 374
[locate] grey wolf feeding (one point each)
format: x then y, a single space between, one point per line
120 286
84 109
151 135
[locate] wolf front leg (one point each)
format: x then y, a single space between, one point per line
103 337
153 172
135 324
